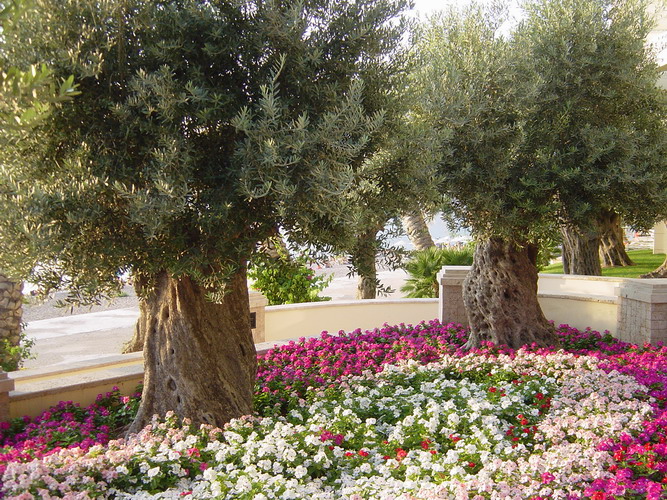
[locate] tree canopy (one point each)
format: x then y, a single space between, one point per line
556 120
200 128
598 126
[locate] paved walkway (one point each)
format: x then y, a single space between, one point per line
98 335
81 337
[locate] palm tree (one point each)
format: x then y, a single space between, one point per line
417 230
425 265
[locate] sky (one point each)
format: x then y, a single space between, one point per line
431 6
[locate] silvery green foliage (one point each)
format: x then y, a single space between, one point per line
598 122
200 127
555 118
27 94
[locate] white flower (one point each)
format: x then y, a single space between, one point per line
300 471
289 455
209 474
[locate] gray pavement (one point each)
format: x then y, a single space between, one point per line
80 337
87 336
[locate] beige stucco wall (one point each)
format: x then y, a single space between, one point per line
580 314
580 301
304 320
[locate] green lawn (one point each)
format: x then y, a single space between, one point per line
645 261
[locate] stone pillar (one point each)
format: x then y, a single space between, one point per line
6 385
642 314
451 305
11 310
257 316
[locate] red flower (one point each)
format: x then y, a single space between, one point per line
425 444
471 464
363 453
401 454
492 389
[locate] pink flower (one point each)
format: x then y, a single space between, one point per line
547 477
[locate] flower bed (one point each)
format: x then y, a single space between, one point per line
400 412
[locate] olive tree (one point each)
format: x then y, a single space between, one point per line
200 128
598 121
26 97
478 101
524 144
400 176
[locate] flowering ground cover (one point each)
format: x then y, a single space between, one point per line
399 412
66 425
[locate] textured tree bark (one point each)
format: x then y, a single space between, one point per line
581 251
660 272
417 230
144 322
365 253
612 244
11 314
500 296
200 360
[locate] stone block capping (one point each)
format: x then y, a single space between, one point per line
258 316
642 316
451 294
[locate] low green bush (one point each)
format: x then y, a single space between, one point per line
287 280
13 356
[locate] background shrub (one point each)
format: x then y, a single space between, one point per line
424 266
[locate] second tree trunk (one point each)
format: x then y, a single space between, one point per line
581 251
500 296
417 230
364 258
612 244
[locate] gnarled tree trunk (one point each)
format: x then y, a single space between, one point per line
417 230
144 322
661 272
200 360
581 251
365 253
612 244
500 296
